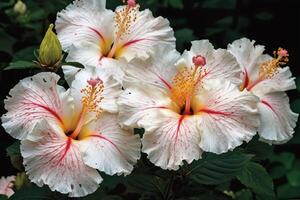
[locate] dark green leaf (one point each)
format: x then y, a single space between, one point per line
255 176
261 150
176 3
216 169
264 16
3 197
227 4
183 36
286 158
21 65
278 172
6 42
287 191
33 193
244 194
294 178
14 149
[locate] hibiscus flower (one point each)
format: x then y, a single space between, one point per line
68 135
264 77
188 107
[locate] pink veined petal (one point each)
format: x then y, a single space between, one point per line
158 71
173 140
6 185
228 118
220 64
31 100
145 33
55 160
139 103
87 21
277 119
109 148
247 55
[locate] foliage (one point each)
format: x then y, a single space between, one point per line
254 171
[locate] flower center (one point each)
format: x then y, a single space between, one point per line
269 68
90 101
124 18
185 83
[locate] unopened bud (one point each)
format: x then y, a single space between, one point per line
199 60
20 7
21 180
50 52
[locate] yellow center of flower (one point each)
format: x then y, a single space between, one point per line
90 101
124 18
269 68
185 83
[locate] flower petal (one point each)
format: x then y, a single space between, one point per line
33 99
247 55
138 103
70 73
109 148
87 21
281 81
158 71
228 117
172 140
219 63
6 185
277 119
111 91
145 33
55 160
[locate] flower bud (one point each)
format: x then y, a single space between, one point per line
20 7
50 52
21 180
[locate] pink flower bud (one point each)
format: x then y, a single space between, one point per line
131 3
94 81
199 60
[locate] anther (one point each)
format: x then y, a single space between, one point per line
199 60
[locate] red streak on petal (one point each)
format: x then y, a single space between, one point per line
50 111
165 82
98 33
132 42
214 112
268 104
152 107
246 79
67 147
178 126
108 140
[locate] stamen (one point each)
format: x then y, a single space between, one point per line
269 68
124 18
185 83
90 101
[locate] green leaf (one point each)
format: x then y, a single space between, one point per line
3 197
175 3
286 158
21 65
227 4
99 195
33 193
261 150
14 149
183 36
278 172
244 194
255 176
25 54
151 184
216 169
294 178
286 191
6 42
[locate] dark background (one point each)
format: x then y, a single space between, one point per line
273 23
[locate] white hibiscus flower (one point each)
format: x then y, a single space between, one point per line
264 77
68 135
188 108
94 35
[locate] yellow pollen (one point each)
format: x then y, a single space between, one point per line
92 97
185 82
124 18
269 68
